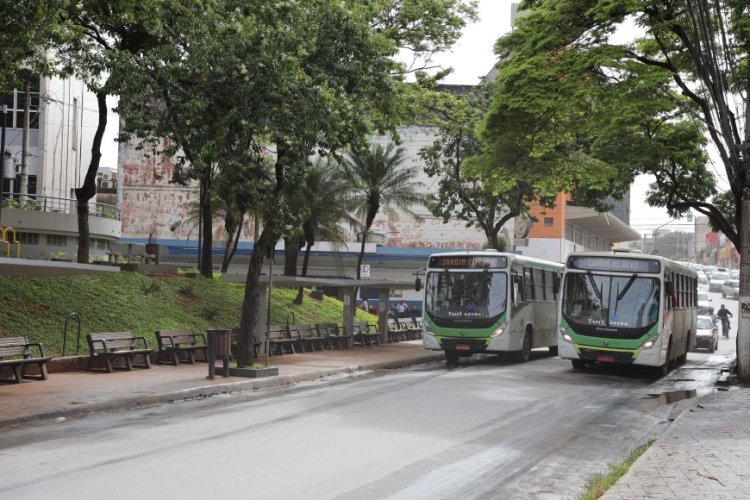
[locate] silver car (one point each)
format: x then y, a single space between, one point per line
716 281
731 289
706 334
705 305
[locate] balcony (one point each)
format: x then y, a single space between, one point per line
50 225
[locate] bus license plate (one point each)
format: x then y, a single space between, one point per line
463 347
605 358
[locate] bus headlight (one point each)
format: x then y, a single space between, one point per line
499 331
650 343
564 334
428 329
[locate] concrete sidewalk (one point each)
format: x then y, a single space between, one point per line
705 452
73 394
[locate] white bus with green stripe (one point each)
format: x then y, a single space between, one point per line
627 308
490 302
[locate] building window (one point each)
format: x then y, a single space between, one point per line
57 240
549 221
16 102
28 238
101 244
569 232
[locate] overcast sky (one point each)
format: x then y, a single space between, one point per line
471 58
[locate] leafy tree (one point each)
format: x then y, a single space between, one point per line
28 32
602 111
99 36
463 196
380 181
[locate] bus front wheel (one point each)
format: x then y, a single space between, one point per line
578 364
451 358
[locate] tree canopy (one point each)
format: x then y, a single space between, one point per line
602 111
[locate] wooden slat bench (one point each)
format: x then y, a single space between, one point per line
111 345
334 335
173 343
280 341
15 353
365 334
308 336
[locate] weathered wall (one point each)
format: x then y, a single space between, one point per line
150 204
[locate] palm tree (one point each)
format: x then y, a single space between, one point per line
381 181
323 198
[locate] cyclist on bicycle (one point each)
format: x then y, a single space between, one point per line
724 315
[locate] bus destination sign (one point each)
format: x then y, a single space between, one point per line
615 264
468 262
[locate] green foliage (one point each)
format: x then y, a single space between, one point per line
149 287
37 307
599 484
593 112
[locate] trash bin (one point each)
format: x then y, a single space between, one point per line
219 342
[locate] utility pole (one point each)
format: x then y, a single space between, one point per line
3 159
24 190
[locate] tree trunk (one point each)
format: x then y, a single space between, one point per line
291 255
251 301
229 252
88 189
743 321
301 291
206 257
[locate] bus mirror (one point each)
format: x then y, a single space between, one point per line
556 284
418 284
669 288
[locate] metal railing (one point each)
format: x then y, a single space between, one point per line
54 204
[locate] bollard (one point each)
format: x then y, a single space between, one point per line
219 346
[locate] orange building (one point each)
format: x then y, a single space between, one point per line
569 227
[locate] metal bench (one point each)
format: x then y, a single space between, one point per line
173 343
396 330
15 353
112 345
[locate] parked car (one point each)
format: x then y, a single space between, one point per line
716 281
709 270
731 289
706 334
702 279
734 274
704 304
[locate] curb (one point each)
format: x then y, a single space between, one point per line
209 390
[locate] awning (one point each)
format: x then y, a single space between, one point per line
604 225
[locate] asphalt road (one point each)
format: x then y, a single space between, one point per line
488 429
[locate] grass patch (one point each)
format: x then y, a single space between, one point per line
599 484
37 307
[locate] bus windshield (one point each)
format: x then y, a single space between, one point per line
460 296
595 300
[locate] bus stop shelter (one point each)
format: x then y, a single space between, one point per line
347 286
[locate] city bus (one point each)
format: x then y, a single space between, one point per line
627 308
490 302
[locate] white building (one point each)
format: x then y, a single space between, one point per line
63 120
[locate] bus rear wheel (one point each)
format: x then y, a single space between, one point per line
578 364
524 354
451 358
